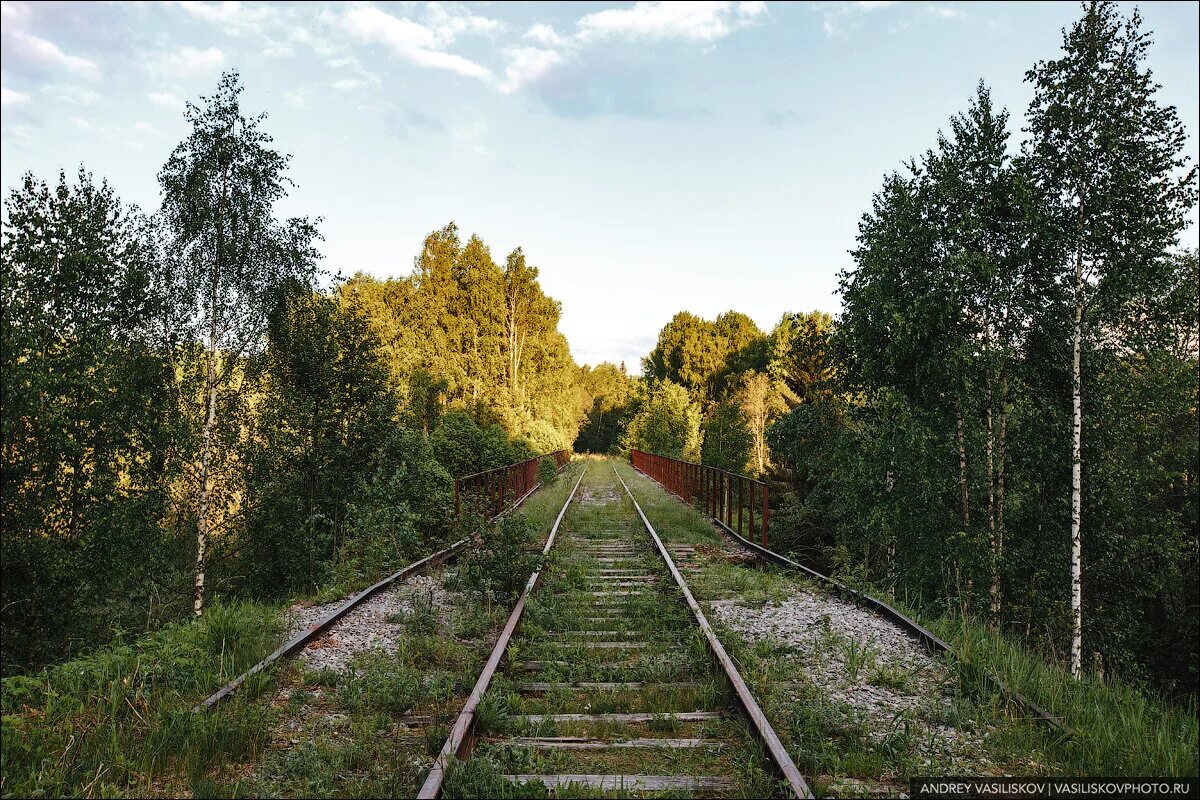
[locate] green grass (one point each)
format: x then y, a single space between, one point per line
675 667
120 721
1117 728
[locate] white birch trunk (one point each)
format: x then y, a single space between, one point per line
1076 476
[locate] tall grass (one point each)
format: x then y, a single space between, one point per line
120 720
1117 729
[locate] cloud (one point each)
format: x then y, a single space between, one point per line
10 98
575 78
525 65
164 99
348 84
411 41
838 19
234 18
594 83
447 22
692 21
545 34
945 12
294 99
75 95
34 52
186 62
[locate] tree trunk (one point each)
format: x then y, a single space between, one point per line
1076 475
1001 442
963 482
993 574
202 518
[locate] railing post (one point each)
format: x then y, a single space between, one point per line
741 481
766 512
750 505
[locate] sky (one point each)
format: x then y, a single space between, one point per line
649 157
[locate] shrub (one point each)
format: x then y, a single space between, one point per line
500 557
547 471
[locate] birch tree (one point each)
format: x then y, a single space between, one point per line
230 255
1109 162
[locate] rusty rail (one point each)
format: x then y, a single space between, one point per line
778 753
727 497
459 739
489 492
931 642
298 642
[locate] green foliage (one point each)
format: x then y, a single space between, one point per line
612 394
500 557
727 438
935 459
667 423
124 714
702 356
547 471
464 335
87 422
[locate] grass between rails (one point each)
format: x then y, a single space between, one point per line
674 668
119 722
1118 729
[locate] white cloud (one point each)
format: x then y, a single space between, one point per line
42 53
447 22
693 21
348 84
164 99
410 40
945 12
12 13
838 19
545 34
185 62
10 97
234 18
294 99
75 95
525 65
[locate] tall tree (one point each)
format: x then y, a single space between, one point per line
980 209
230 254
85 421
1110 163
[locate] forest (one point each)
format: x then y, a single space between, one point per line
193 407
1000 423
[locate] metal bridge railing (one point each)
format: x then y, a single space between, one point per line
489 492
725 496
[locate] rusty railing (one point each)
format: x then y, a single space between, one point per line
725 496
489 492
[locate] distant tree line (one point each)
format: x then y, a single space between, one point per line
1003 420
192 406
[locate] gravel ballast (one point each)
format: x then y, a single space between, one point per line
367 627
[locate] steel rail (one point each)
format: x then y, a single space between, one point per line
779 754
931 642
297 642
459 738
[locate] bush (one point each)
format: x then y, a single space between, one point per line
547 471
499 558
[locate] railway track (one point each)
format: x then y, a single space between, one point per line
608 678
